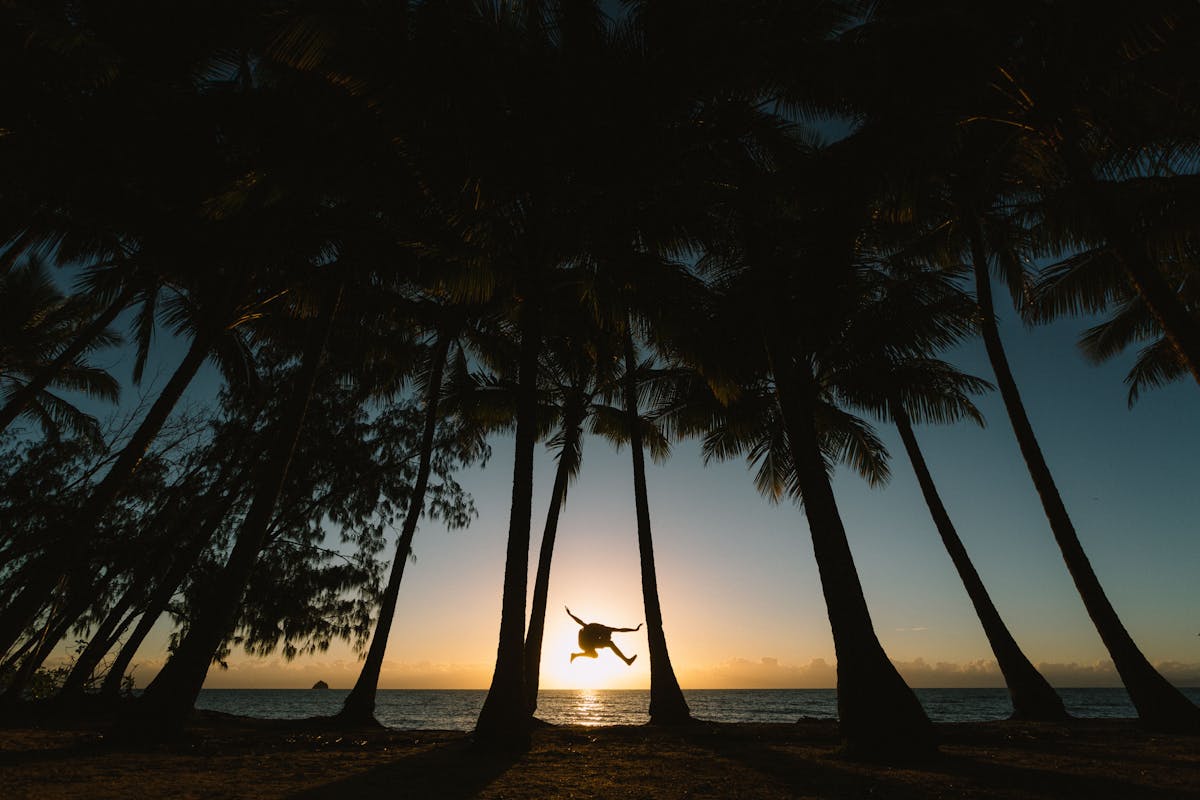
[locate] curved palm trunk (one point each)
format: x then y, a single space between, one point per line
1160 705
197 535
27 393
154 608
359 707
13 660
22 609
503 720
878 714
98 646
25 607
52 635
1032 696
110 688
55 630
541 582
667 704
168 700
135 450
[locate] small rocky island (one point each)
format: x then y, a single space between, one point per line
320 685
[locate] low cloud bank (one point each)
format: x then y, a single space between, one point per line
735 673
769 673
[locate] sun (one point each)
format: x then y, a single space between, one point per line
604 672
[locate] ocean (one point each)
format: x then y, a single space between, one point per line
457 709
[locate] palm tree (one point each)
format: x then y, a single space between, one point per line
169 698
359 706
575 372
1090 282
791 278
213 319
922 311
967 170
1090 95
667 703
40 326
1160 705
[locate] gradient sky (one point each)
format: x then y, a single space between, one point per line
741 599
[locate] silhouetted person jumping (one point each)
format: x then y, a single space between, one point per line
593 635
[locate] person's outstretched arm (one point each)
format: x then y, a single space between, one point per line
624 630
572 616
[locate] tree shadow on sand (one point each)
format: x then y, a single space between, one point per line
453 770
823 773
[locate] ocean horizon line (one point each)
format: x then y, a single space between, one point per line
645 689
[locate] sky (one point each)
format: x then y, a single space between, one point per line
741 599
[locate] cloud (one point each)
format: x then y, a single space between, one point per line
763 673
769 673
981 673
275 673
766 672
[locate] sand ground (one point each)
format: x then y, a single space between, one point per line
230 757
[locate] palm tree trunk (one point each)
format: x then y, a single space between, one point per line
135 450
31 600
168 700
1160 705
55 630
878 713
198 535
101 642
1032 697
13 659
541 583
77 602
504 721
23 609
667 704
110 689
26 394
359 707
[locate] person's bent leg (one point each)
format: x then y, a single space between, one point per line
584 654
628 661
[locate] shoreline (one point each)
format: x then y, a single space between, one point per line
225 756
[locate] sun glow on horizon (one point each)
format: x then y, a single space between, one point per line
589 674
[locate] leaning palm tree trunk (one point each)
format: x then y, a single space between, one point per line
503 720
1160 705
195 533
1032 697
170 697
135 449
50 571
41 577
667 704
878 713
102 640
541 582
29 392
153 608
359 707
77 601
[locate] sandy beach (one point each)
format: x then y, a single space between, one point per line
232 757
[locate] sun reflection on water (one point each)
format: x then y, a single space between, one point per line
590 708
